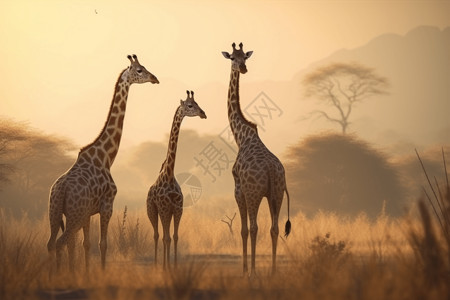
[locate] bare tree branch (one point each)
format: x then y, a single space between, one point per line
341 85
230 223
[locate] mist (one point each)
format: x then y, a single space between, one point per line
327 172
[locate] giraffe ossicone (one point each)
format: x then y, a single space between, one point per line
257 172
88 188
165 198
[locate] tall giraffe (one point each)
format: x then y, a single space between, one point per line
88 188
165 197
257 172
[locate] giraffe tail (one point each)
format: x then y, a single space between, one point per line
287 227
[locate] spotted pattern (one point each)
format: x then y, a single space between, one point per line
257 172
164 196
88 188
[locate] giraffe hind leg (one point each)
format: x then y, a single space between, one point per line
274 231
176 223
71 252
56 222
105 216
275 201
152 212
86 242
54 229
62 242
51 244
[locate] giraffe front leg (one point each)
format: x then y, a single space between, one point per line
105 216
244 226
166 240
176 221
86 242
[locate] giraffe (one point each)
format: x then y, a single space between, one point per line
88 188
257 172
165 197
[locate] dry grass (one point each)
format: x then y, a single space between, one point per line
327 257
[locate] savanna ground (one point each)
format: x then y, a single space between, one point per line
325 257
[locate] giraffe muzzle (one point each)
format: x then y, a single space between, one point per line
154 80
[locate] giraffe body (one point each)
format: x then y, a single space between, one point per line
165 198
88 188
257 172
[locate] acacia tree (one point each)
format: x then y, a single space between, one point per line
10 134
342 85
343 174
30 162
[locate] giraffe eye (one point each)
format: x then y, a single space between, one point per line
139 71
190 105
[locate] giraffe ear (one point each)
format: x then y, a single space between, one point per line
181 102
248 54
226 55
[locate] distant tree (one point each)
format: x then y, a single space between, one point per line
343 174
342 85
37 160
10 134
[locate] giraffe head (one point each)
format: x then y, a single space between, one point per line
238 58
137 73
190 108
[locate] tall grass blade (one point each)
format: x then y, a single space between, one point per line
434 193
445 170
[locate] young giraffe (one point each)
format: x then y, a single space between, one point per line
257 172
87 188
165 197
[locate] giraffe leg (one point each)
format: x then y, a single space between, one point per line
56 222
244 226
51 244
71 252
275 201
166 241
61 242
253 214
152 212
86 242
105 216
64 240
274 231
176 223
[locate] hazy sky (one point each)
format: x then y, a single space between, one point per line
60 59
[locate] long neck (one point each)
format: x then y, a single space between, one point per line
106 145
240 126
169 164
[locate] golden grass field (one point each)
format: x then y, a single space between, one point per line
326 257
